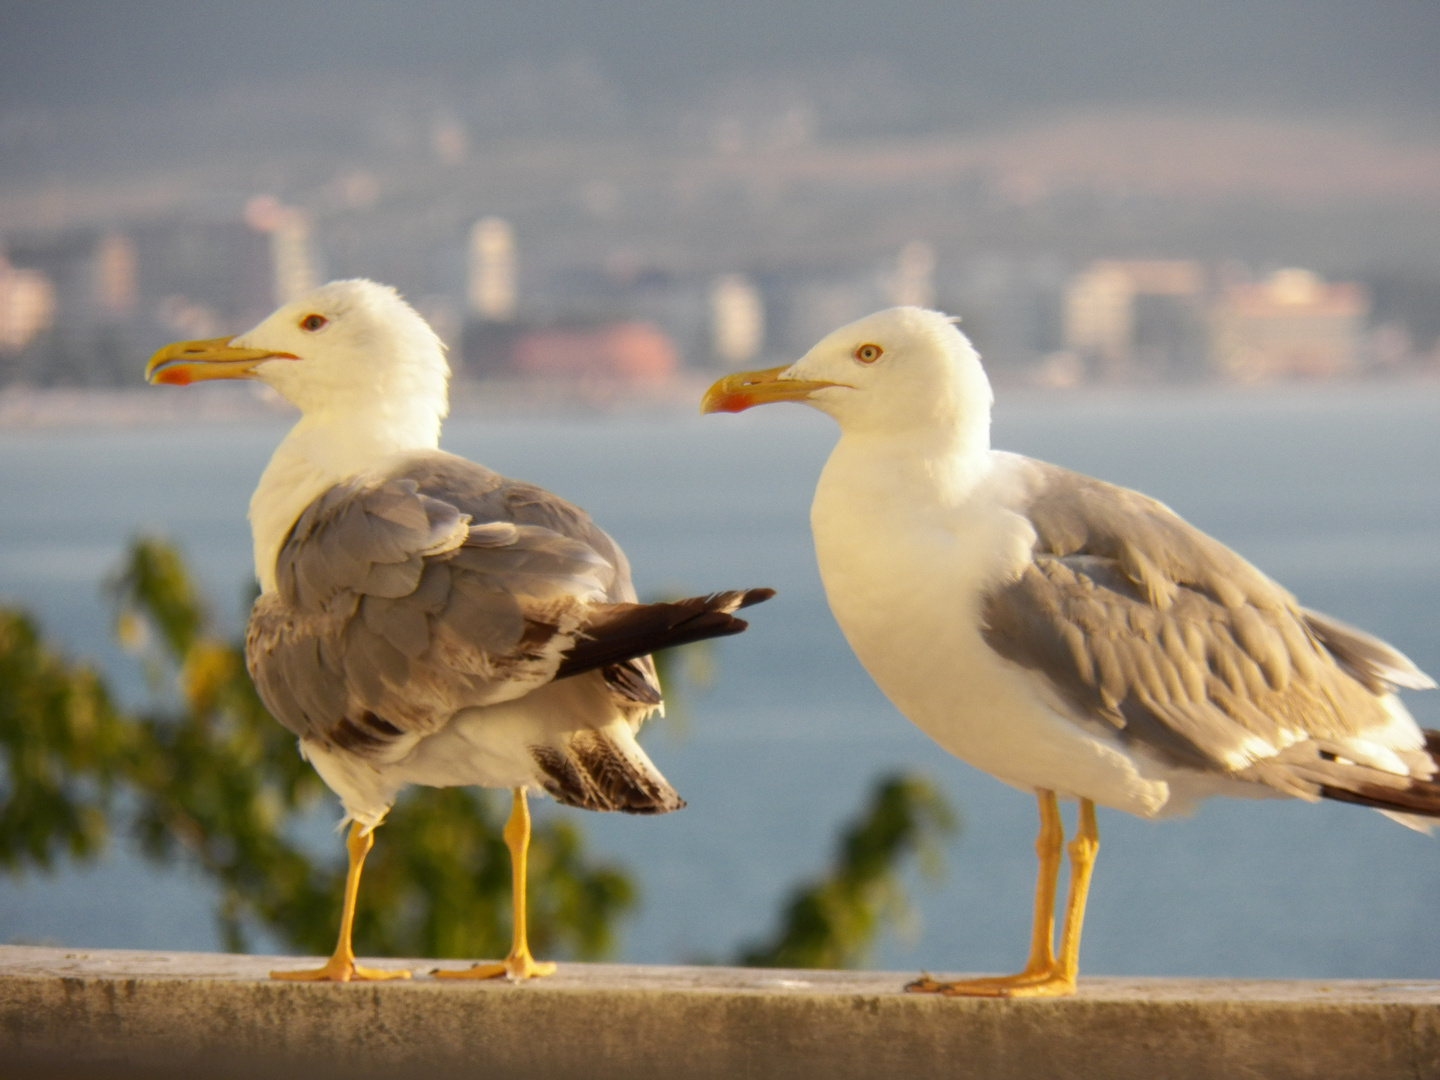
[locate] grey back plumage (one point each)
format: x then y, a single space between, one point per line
405 597
1144 623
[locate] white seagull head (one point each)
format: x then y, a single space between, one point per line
349 346
901 370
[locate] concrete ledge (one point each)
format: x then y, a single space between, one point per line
77 1013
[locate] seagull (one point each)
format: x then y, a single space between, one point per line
1072 638
421 619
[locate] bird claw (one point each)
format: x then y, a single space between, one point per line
339 971
923 985
1026 984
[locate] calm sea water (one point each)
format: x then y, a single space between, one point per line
1335 492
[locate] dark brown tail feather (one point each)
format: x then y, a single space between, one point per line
621 632
590 772
630 681
1421 797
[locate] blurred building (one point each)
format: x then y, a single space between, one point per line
292 252
80 340
293 259
27 306
491 270
1405 309
737 320
1138 318
116 289
449 141
1291 324
86 307
486 349
225 267
913 280
630 351
1011 307
67 262
811 303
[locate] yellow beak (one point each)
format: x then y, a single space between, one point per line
191 361
738 392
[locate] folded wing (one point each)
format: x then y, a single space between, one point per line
404 598
1145 624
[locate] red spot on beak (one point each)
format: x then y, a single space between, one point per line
730 403
174 376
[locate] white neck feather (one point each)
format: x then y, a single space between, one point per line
323 448
935 467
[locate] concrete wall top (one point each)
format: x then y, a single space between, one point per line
76 1012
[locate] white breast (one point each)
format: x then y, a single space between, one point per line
907 556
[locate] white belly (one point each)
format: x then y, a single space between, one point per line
906 592
491 746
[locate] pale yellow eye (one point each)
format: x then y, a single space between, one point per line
868 354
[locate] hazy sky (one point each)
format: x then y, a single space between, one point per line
1368 55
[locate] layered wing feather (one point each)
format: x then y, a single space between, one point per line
1183 648
394 609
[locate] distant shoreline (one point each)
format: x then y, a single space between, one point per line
29 407
24 408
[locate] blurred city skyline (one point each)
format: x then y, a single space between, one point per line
689 177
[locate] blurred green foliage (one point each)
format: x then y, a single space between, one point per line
213 781
209 780
834 922
59 739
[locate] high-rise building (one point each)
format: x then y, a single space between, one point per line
114 269
737 320
492 270
292 256
27 306
913 280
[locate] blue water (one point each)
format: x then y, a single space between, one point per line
1335 492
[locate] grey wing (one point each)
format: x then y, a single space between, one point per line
394 608
487 496
1141 621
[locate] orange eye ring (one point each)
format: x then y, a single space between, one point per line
313 322
868 354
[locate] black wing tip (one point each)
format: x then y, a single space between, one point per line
631 630
1421 799
754 596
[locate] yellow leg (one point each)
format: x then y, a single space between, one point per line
341 967
1045 974
1082 861
1048 845
519 964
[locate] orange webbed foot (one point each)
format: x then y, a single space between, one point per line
515 968
339 970
1026 984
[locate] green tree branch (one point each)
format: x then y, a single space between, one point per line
834 921
218 784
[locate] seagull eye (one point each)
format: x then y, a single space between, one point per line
868 354
313 322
